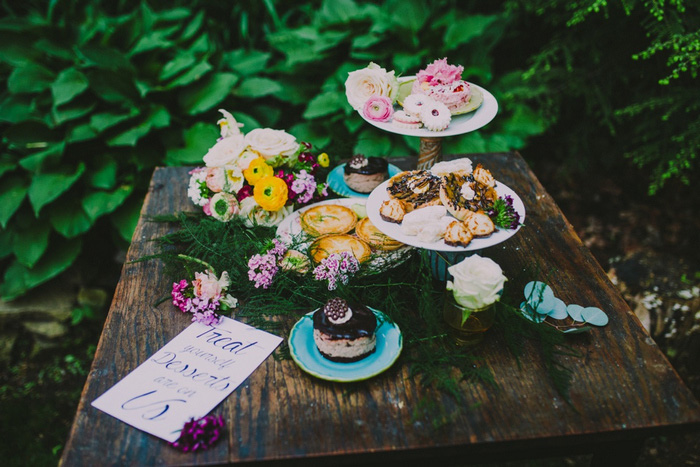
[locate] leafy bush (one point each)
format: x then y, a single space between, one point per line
95 95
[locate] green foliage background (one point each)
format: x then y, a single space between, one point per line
94 95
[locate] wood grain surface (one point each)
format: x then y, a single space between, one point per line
623 387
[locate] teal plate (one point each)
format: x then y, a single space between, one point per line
309 359
336 181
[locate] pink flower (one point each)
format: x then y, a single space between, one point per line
208 287
378 109
216 179
440 72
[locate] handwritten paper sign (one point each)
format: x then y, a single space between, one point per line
188 377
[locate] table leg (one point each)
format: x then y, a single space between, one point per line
430 152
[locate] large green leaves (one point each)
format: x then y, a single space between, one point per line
207 93
12 193
30 78
46 187
69 83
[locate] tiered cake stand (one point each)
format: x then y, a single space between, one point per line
430 151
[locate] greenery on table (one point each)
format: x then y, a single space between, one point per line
96 94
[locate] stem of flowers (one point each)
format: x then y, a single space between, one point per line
199 261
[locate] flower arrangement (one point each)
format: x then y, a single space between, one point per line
477 282
260 176
204 297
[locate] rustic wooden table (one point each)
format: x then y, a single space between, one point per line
623 388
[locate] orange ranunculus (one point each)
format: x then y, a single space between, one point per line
270 193
257 170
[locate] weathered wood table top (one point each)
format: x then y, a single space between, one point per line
623 388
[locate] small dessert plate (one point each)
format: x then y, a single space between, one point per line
306 355
336 182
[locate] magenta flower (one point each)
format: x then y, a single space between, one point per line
378 109
200 434
335 268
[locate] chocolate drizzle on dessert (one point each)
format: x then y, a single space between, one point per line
359 164
362 323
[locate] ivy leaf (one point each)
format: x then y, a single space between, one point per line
102 121
207 93
372 142
69 219
192 74
408 14
258 87
198 139
12 193
311 133
46 187
246 62
104 176
462 30
99 203
35 162
192 27
126 217
324 104
30 78
157 118
113 87
69 83
71 111
16 108
106 58
31 243
18 278
177 65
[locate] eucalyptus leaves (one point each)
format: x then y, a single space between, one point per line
540 304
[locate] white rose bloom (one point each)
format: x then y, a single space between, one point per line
225 151
271 143
477 282
371 81
253 214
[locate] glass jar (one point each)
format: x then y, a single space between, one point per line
467 326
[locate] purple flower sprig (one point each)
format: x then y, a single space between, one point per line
263 268
335 268
503 213
199 434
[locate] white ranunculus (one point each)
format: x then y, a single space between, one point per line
371 81
478 282
225 151
271 143
246 158
234 178
253 214
223 206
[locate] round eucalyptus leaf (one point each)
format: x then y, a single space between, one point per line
594 316
575 312
559 310
529 313
540 297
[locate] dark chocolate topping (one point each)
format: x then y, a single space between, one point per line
374 165
363 323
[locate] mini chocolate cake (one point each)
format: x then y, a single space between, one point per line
364 174
344 333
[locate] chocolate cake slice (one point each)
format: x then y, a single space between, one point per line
343 332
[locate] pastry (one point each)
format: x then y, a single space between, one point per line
479 223
392 210
344 332
435 116
416 188
461 166
404 120
458 234
364 174
328 219
413 104
461 194
415 221
374 237
330 244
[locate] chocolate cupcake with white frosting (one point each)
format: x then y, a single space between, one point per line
364 174
344 332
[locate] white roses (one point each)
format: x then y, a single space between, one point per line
225 151
271 143
478 282
371 81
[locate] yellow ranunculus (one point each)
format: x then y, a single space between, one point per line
324 160
270 193
257 169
